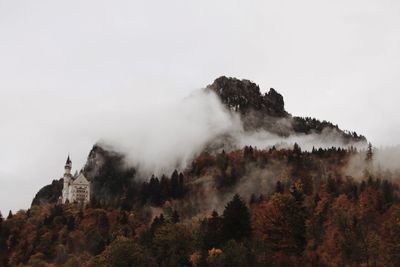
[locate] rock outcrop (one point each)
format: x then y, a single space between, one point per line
267 111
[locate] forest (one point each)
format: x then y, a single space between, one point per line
247 207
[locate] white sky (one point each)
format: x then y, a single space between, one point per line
65 65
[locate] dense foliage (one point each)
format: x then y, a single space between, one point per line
305 209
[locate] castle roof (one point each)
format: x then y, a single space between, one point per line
81 179
68 160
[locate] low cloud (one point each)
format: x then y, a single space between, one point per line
384 159
169 135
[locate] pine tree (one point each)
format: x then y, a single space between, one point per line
369 152
387 192
212 237
222 161
154 190
157 222
363 185
248 153
165 189
71 223
175 184
279 187
175 217
253 199
236 220
296 149
331 186
181 186
123 218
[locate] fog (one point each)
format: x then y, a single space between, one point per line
160 138
385 159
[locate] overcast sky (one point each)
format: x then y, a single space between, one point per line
66 65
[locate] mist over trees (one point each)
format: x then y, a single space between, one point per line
305 210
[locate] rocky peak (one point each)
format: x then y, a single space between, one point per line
267 111
244 96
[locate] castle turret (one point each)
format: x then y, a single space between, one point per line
67 180
68 166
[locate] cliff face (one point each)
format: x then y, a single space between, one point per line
112 182
49 193
244 96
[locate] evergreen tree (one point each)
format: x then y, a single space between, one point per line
236 220
175 184
123 252
71 223
123 218
279 187
296 149
331 186
212 236
248 153
165 189
222 161
363 186
172 245
253 199
369 152
157 222
154 191
298 216
10 215
181 186
103 223
175 217
387 192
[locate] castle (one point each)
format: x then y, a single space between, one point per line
76 187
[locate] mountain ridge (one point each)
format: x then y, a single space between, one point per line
267 111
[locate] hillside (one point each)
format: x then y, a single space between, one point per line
257 111
250 206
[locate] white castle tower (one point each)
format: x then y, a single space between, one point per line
76 188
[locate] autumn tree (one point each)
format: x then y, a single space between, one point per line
390 232
331 186
280 223
172 245
232 254
343 242
123 252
